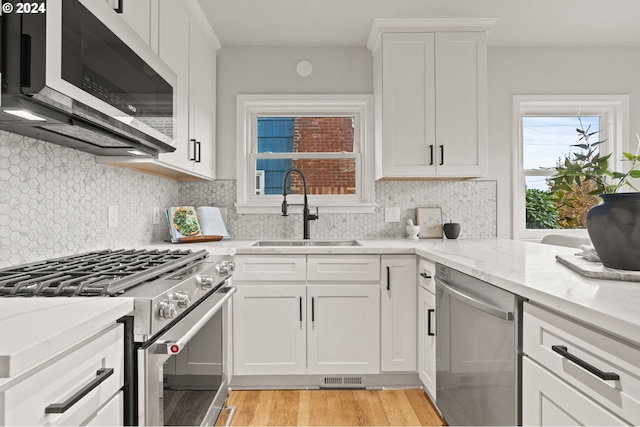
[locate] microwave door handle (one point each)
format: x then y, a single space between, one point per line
475 302
165 346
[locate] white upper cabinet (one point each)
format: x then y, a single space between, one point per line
430 83
137 14
180 34
173 48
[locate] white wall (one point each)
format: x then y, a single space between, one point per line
265 70
512 70
551 70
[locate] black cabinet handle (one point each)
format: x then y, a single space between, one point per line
192 157
607 376
442 154
300 309
429 315
59 408
118 8
388 278
199 151
425 275
313 309
431 155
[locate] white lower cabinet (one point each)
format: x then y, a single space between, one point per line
269 330
549 401
575 375
342 335
306 325
427 327
427 340
45 396
398 313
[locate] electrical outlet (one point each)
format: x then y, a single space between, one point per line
112 216
156 215
392 214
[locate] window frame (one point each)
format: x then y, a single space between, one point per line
614 110
250 107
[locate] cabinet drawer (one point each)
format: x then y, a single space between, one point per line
24 401
345 268
426 275
543 331
549 401
269 268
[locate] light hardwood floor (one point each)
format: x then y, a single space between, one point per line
332 408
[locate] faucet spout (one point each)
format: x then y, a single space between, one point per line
306 216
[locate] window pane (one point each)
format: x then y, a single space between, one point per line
547 140
323 176
305 134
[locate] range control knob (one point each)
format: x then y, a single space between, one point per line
231 265
222 268
182 299
204 281
167 309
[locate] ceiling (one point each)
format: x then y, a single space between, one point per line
348 22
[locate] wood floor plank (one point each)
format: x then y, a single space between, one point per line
423 408
332 408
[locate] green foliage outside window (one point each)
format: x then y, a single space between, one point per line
542 213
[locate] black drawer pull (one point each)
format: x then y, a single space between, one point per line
431 155
429 315
59 408
607 376
425 275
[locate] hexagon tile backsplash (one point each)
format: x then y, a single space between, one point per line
473 204
54 201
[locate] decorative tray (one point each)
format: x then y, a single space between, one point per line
595 270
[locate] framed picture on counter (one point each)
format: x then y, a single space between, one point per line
430 222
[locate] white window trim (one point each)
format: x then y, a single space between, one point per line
249 107
615 108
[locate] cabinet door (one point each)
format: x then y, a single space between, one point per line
137 14
202 104
269 330
461 104
173 48
398 312
427 340
408 105
343 334
549 401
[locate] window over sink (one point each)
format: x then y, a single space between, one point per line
328 137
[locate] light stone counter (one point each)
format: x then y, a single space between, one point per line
524 268
33 330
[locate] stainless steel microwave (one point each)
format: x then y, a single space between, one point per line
74 73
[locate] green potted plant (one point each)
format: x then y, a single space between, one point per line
614 224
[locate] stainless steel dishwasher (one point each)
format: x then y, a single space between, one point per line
478 368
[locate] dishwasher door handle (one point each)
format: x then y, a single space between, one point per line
474 301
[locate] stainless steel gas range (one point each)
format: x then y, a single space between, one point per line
175 346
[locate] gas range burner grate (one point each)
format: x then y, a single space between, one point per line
98 273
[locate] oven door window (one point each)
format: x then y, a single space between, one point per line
192 378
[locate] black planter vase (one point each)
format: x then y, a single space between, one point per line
451 230
614 229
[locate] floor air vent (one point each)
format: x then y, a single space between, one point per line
343 382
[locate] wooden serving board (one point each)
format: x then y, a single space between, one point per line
595 270
194 239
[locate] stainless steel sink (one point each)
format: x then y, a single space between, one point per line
306 243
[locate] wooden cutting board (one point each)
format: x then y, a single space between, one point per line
194 239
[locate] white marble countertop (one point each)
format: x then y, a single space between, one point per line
36 329
524 268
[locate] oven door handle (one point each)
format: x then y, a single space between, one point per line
474 302
175 346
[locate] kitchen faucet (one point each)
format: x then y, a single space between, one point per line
306 216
